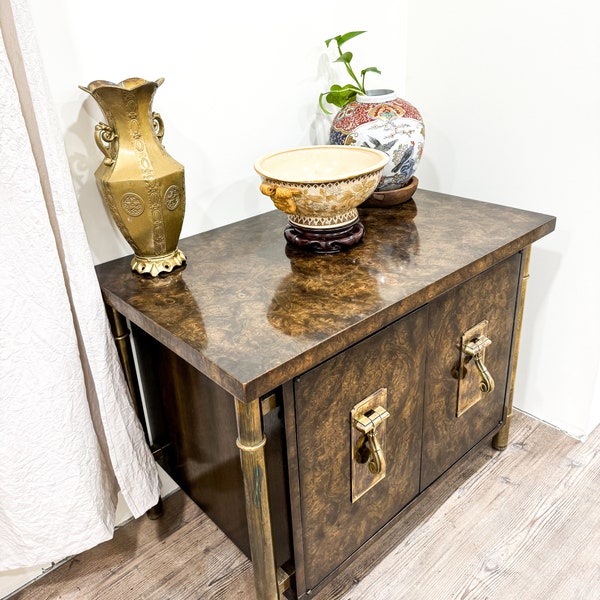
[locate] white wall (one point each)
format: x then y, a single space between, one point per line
241 79
510 93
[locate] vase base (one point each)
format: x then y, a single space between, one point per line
393 197
328 241
154 265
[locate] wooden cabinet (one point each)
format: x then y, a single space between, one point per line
393 360
452 425
346 383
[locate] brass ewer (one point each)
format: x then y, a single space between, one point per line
141 185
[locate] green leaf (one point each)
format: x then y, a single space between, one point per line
327 112
339 101
344 58
370 70
342 39
340 96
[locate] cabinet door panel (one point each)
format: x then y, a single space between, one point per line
451 425
334 525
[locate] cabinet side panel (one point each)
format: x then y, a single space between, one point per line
333 525
194 419
449 433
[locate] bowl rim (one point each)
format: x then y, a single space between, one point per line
383 161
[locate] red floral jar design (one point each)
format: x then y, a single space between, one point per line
385 122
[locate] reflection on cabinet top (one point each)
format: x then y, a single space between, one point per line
251 313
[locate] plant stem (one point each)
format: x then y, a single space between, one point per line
351 72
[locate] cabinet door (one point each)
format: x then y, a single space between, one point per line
337 519
458 413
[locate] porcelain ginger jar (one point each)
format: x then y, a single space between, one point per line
383 121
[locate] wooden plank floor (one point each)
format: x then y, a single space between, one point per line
519 525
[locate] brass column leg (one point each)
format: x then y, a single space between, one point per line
500 441
251 441
121 335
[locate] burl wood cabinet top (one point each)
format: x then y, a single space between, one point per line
251 313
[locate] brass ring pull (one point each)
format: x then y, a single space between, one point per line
376 462
367 424
475 350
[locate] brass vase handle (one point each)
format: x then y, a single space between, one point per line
158 126
475 349
370 450
104 135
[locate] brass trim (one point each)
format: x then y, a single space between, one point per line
476 350
156 511
252 448
157 264
367 442
500 440
284 580
473 384
251 441
268 403
158 126
368 423
104 136
122 338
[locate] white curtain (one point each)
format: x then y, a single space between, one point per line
69 437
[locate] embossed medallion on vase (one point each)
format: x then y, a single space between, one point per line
383 121
142 186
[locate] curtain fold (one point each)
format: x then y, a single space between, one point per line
69 436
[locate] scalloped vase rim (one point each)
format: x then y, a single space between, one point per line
130 84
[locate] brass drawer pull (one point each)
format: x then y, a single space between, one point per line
475 349
368 446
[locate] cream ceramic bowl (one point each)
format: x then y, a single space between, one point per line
319 187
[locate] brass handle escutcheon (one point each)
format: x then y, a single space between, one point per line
475 349
367 424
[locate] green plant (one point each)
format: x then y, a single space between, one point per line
341 95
